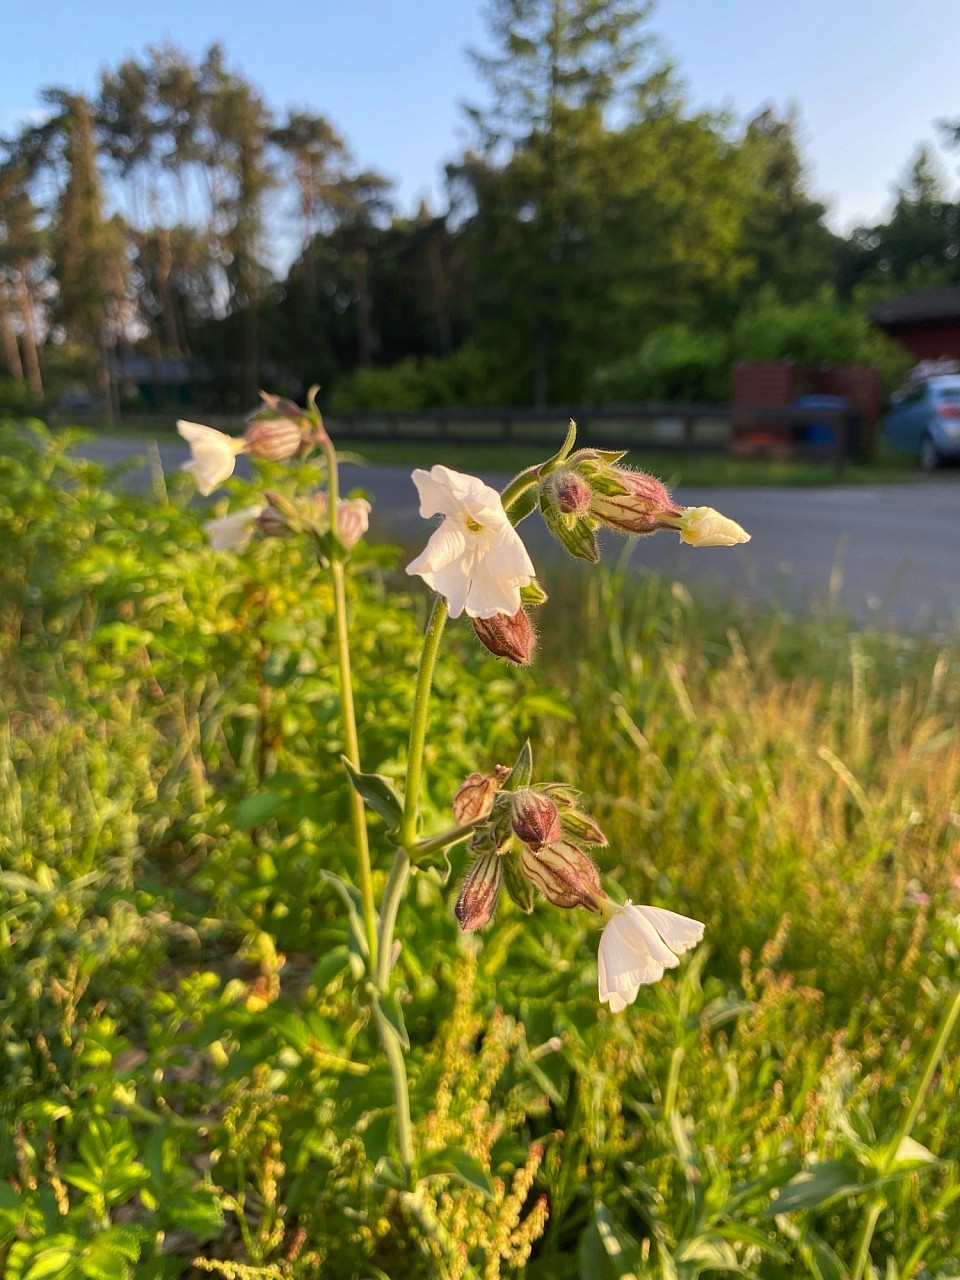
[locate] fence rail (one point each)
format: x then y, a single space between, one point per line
822 435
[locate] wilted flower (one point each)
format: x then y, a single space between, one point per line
213 455
636 946
234 531
704 527
474 798
476 559
508 637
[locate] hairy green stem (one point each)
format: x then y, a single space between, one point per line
393 1050
351 741
392 896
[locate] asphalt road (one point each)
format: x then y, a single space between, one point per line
887 554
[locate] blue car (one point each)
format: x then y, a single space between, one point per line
925 418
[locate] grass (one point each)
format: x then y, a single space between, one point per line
189 1072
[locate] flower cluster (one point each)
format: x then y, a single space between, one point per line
535 838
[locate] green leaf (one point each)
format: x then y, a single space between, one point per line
51 1262
522 771
452 1162
377 792
389 1006
818 1185
389 1173
351 900
254 809
623 1252
198 1212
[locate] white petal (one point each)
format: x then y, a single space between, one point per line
453 584
619 1002
448 493
447 544
511 556
232 532
213 454
680 933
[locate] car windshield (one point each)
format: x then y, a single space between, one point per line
951 394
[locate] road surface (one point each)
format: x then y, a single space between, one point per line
886 554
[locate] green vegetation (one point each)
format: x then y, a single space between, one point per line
187 1080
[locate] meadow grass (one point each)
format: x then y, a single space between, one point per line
190 1083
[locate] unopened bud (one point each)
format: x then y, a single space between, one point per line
474 798
577 826
273 439
564 874
353 520
572 493
534 818
704 527
507 636
574 531
516 883
480 891
641 506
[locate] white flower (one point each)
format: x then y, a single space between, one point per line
476 559
213 455
232 532
636 946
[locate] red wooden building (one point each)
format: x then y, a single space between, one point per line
926 323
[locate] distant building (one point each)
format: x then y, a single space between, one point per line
160 380
926 323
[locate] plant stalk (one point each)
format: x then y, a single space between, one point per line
351 741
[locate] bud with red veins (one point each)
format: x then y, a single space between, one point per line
643 506
535 818
577 826
478 896
511 637
273 439
564 874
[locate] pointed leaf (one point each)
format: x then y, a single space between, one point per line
389 1007
522 771
452 1162
818 1185
377 792
351 900
623 1252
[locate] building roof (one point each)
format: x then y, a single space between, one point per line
924 307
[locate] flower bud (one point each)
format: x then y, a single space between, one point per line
534 818
510 637
516 883
353 520
581 829
478 896
233 532
474 798
572 493
564 874
704 527
273 439
640 506
575 531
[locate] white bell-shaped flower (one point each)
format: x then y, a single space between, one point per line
233 532
476 559
637 945
213 455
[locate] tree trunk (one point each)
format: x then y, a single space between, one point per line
31 358
540 376
8 339
364 329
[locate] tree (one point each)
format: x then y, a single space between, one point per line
21 249
558 68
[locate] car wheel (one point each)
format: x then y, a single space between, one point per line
929 457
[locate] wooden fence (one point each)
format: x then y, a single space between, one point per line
824 435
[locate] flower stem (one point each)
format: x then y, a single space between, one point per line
418 724
351 741
393 1050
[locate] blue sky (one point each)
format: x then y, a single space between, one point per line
869 77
